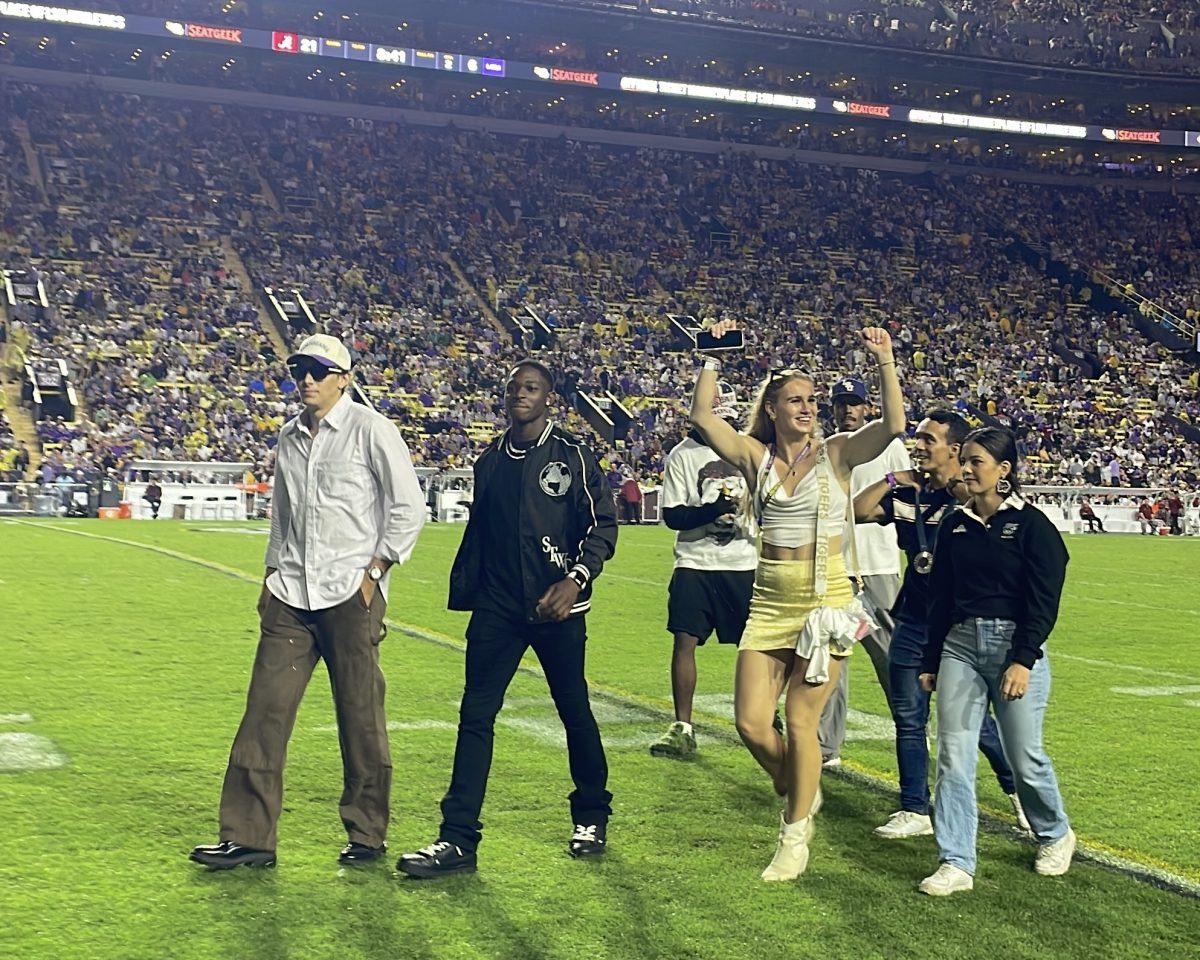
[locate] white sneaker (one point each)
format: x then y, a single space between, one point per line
947 879
791 852
905 823
831 763
1054 858
1019 813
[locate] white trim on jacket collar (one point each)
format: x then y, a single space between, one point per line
515 452
1012 502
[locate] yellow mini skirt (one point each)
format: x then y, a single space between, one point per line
783 598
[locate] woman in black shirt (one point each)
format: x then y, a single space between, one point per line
997 577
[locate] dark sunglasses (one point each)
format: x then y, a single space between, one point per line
318 371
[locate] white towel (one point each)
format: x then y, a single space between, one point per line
832 630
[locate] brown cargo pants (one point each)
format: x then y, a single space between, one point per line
291 642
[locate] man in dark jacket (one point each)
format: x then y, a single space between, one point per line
542 525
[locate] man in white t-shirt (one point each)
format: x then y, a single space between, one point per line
715 559
877 566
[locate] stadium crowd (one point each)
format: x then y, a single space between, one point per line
418 258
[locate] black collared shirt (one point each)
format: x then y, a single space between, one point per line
1011 567
899 507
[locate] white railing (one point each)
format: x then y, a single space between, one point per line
1147 307
1115 507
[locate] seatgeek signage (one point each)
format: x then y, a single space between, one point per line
293 43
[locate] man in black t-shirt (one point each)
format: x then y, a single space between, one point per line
915 503
542 525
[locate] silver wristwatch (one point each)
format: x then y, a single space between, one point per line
374 573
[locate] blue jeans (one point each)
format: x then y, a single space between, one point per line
910 711
974 659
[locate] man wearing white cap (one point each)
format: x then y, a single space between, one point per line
346 507
715 560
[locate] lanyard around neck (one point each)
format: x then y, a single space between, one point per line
779 481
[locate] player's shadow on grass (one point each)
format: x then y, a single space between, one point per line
466 907
248 901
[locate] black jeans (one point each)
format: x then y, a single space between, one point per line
495 645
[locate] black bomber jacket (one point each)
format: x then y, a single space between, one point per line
568 522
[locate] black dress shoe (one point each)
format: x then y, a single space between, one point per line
226 855
440 859
588 840
359 854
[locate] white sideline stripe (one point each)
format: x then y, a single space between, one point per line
1157 691
1132 668
1128 603
252 531
551 733
428 724
15 718
639 580
1157 608
22 752
860 725
1146 873
604 712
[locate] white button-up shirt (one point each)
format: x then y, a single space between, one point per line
341 497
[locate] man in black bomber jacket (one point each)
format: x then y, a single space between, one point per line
542 524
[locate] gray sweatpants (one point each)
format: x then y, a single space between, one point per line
881 589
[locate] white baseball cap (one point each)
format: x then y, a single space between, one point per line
326 350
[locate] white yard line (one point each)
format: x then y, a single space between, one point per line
22 752
1126 667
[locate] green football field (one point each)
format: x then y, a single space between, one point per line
124 657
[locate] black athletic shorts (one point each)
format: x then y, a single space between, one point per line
701 601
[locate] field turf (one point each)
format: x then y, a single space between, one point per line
124 657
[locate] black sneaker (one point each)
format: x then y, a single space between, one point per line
777 723
588 840
440 859
226 855
359 854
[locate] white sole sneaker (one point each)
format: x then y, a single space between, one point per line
1054 859
947 879
904 824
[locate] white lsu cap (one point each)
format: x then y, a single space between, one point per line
326 350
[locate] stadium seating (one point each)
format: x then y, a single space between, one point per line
414 244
